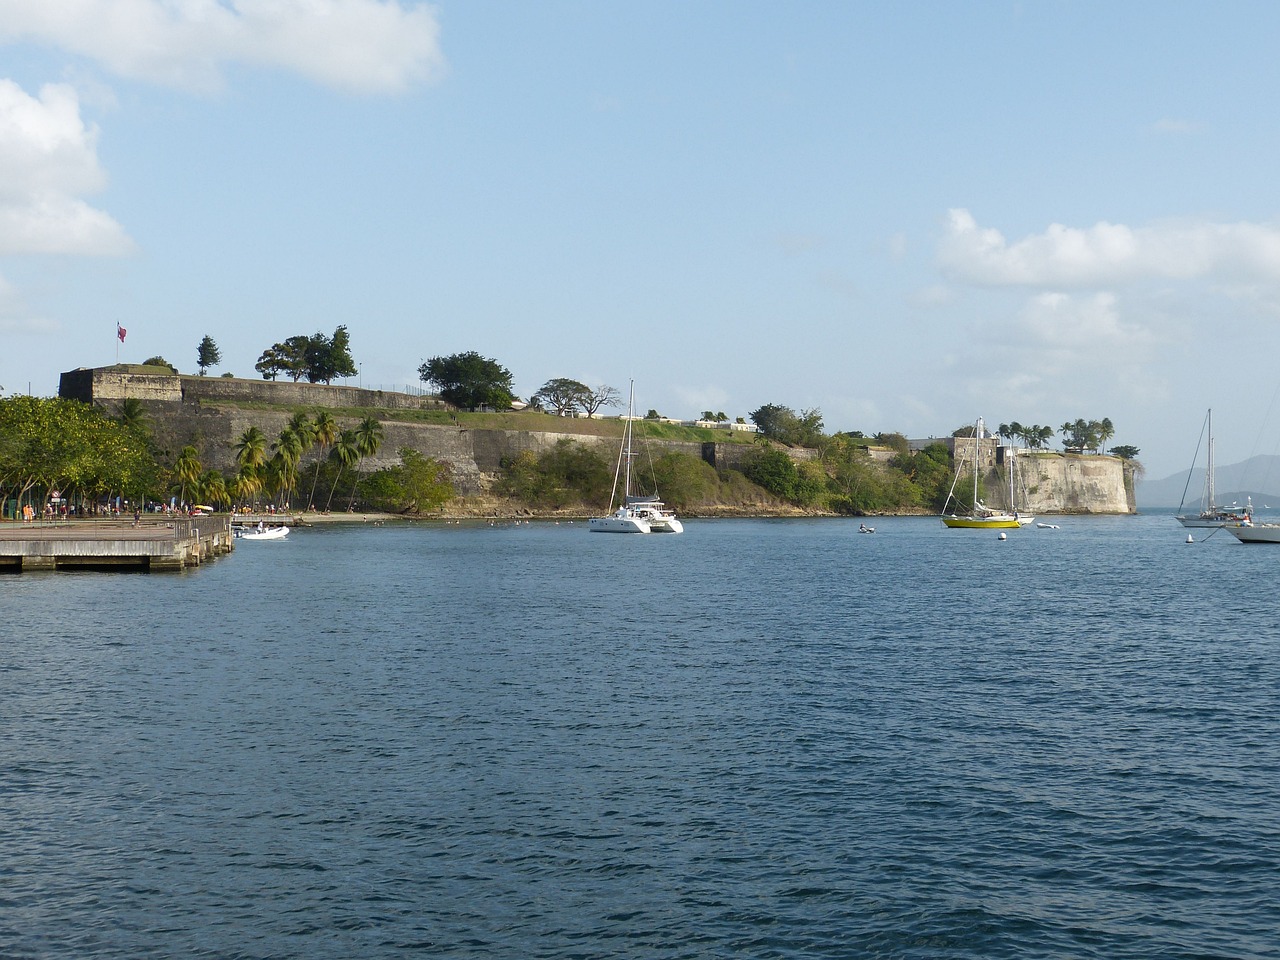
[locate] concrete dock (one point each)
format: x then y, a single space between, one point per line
154 544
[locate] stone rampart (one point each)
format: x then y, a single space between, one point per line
203 412
110 385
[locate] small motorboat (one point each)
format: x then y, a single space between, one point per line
863 528
1047 526
261 532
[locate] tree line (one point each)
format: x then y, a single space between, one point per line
472 382
54 450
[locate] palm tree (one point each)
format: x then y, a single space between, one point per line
133 416
346 453
251 451
368 440
245 486
287 452
1106 430
325 432
303 429
187 470
213 488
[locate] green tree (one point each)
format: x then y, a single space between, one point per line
186 470
562 396
207 354
324 433
288 357
774 420
251 450
895 442
568 473
133 417
783 424
773 470
159 362
1126 452
417 484
469 381
339 362
282 468
245 486
327 358
54 443
211 488
1105 431
368 441
346 454
301 426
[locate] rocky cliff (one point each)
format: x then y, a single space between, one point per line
1048 483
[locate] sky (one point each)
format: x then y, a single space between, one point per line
905 216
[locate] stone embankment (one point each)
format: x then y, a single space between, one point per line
211 413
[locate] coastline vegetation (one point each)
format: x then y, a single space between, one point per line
75 453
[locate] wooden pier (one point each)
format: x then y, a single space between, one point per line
153 544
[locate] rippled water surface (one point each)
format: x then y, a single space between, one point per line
758 739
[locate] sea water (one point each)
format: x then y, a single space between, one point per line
757 739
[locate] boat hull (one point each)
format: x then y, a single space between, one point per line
982 523
619 523
1209 521
1257 532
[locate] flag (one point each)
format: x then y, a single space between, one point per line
120 332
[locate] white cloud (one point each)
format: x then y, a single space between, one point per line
1108 254
1081 328
48 159
1061 352
365 46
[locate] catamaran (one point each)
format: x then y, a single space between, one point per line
638 513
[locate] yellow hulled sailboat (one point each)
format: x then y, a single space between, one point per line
979 516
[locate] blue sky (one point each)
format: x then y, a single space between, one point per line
903 215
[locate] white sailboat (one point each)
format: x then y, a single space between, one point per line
638 513
979 516
1249 532
1211 515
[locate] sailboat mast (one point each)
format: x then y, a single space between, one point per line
977 431
1011 502
631 413
1213 505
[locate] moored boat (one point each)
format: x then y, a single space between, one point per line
636 514
660 517
1212 515
1250 532
261 532
979 515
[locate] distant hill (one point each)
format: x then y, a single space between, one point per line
1258 477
